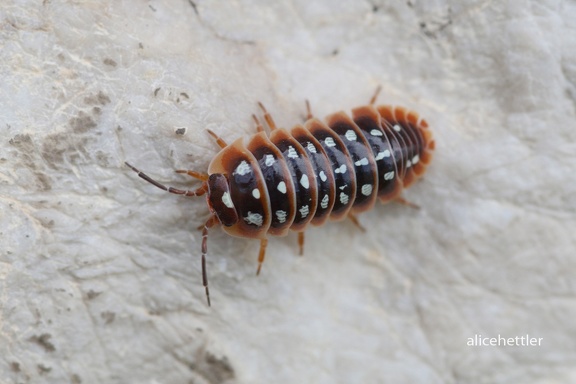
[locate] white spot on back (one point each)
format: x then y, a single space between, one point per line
227 200
343 198
415 159
311 147
323 176
330 142
382 155
341 169
343 187
292 153
376 132
397 128
351 135
281 187
304 211
324 202
304 181
389 175
254 218
362 161
408 164
256 193
269 160
366 189
281 215
242 168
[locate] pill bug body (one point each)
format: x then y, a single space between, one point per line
289 179
322 170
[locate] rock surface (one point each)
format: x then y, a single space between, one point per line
100 271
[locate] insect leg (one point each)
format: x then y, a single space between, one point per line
259 127
301 242
375 96
197 192
209 224
261 254
355 221
308 110
267 117
221 143
197 175
403 201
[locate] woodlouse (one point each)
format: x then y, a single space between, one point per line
286 179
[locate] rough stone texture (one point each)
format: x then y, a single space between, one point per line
100 272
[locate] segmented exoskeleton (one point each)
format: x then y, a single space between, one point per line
287 179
